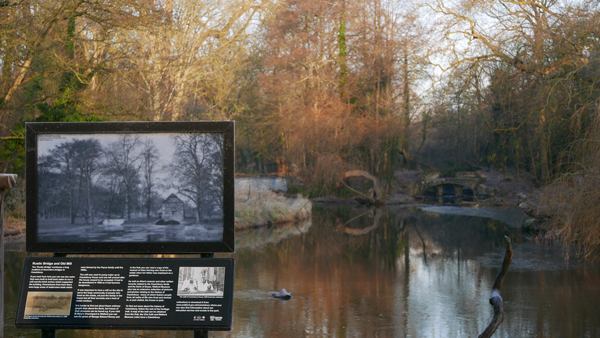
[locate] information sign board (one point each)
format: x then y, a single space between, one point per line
130 187
126 293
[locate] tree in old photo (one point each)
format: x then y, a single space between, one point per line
197 171
68 172
64 163
149 172
49 193
87 156
123 161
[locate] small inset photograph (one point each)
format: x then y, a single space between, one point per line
48 303
201 282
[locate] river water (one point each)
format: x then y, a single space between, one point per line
391 272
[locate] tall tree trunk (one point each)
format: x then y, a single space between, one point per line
127 207
89 198
406 110
199 206
342 50
148 202
545 163
72 211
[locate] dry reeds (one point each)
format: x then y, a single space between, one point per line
255 208
574 199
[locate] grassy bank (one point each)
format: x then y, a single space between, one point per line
253 208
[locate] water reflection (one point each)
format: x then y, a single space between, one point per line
392 272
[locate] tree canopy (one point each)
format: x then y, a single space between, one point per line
317 87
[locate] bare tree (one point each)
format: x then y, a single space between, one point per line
123 161
49 193
87 154
149 171
189 54
64 156
530 51
198 169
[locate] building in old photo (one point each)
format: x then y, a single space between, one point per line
172 208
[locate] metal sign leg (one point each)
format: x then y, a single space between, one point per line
48 333
200 334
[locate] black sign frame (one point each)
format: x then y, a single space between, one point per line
48 316
89 129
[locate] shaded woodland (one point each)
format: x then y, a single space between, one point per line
319 88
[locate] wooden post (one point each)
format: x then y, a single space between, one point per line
7 181
496 299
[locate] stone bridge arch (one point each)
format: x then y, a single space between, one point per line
438 183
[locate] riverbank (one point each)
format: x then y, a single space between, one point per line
255 208
14 229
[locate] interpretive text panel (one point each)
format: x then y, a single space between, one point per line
147 293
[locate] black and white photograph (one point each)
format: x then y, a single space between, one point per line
201 282
134 187
48 303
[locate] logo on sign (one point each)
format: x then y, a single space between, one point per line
199 318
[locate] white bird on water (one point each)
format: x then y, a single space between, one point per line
282 294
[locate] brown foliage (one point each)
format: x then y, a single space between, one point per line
575 199
325 125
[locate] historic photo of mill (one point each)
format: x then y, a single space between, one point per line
130 188
48 303
201 282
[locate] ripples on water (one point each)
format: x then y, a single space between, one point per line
396 272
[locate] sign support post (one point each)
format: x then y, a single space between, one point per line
7 181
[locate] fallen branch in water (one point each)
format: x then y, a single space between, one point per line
495 298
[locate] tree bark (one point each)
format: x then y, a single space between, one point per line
495 298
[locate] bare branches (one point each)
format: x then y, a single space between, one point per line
198 160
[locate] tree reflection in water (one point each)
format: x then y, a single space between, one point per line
393 272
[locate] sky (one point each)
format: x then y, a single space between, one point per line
162 141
